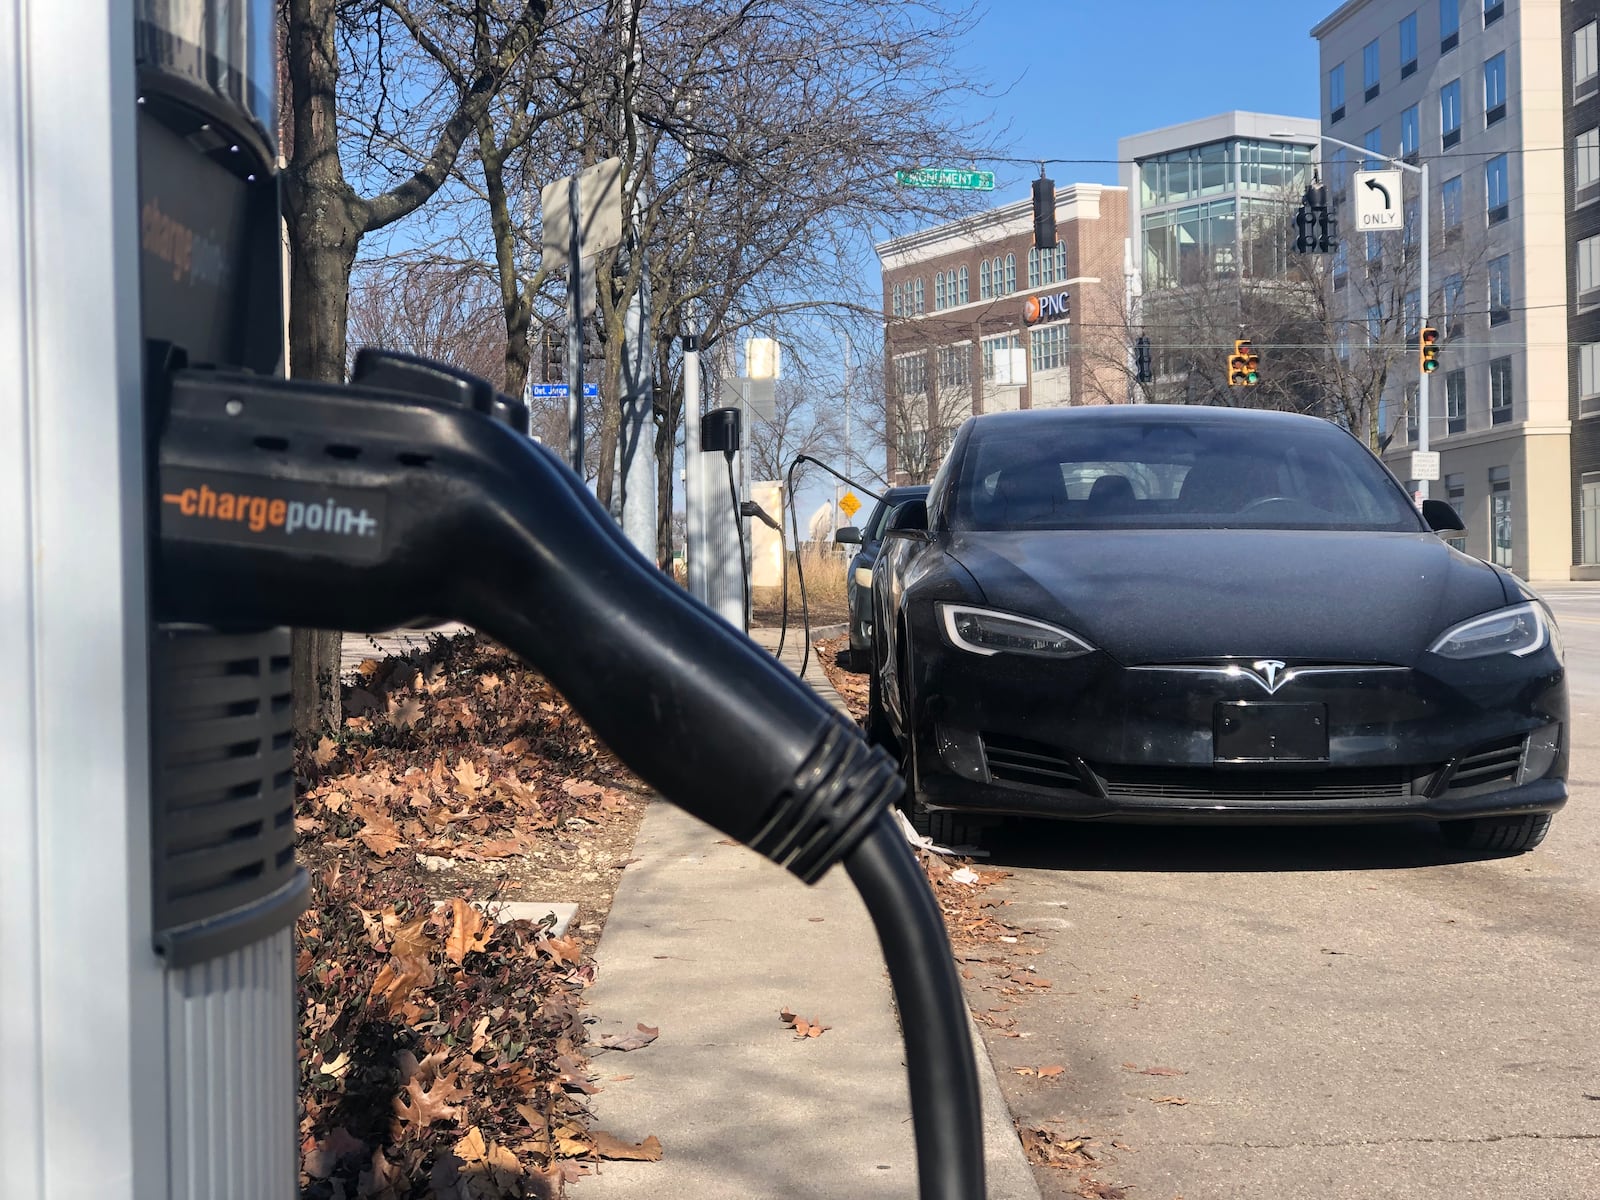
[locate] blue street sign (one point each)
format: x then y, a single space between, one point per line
558 391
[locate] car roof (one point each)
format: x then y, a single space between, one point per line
1179 414
905 491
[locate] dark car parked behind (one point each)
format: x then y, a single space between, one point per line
858 576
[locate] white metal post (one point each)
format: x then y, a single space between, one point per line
696 546
81 988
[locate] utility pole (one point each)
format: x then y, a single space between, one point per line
580 281
636 445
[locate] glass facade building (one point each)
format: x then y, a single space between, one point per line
1217 210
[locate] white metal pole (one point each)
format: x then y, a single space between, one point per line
575 282
1424 206
696 545
84 1111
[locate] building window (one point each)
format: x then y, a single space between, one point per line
1370 69
1374 324
911 374
1412 233
1589 380
1374 250
1338 173
1000 361
1500 391
1453 299
1049 347
1336 93
1450 203
916 296
1411 413
1011 271
1450 113
1412 308
1496 188
1590 513
1455 495
1341 263
1499 275
985 292
1494 89
999 276
1343 347
1410 131
1449 25
1493 10
1589 272
955 367
1408 46
1373 141
1455 402
1500 547
938 291
1033 266
899 308
1585 62
961 288
1586 167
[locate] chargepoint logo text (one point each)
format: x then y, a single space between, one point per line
259 513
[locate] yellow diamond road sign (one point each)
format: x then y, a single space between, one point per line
849 503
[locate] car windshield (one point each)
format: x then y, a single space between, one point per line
1144 473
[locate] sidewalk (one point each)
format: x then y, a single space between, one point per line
708 941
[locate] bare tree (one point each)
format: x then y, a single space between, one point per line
361 68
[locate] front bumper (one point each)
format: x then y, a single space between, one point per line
1087 739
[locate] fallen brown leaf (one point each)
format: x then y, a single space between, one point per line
468 932
421 1106
327 750
607 1146
1162 1071
1169 1100
641 1036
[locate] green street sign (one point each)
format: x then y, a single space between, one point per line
947 177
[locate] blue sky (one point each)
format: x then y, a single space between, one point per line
1083 73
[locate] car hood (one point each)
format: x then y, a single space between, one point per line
1151 596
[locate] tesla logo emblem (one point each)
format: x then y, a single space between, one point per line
1268 669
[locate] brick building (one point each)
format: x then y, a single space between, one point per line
976 320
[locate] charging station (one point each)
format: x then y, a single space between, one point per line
172 505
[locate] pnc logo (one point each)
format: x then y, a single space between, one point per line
1047 308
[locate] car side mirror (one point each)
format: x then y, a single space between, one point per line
911 516
1443 519
849 535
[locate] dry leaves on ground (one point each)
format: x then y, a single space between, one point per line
802 1027
441 1053
641 1036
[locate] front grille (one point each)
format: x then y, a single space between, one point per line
1221 787
1013 760
1488 767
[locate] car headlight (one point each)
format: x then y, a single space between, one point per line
985 631
1520 630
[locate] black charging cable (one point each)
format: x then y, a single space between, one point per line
799 566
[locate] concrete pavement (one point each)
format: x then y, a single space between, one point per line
707 941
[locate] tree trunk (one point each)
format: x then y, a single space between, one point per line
671 398
514 302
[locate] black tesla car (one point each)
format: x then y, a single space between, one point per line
1143 612
858 575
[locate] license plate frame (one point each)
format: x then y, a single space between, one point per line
1257 731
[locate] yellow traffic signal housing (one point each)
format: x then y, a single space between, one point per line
1244 365
1429 344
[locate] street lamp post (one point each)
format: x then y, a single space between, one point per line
1423 207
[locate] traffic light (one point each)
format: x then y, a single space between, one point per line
1327 230
1141 360
1044 214
1430 349
1244 365
1305 226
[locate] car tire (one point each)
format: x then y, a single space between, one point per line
857 662
1503 835
878 731
948 829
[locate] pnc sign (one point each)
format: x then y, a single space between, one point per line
1056 307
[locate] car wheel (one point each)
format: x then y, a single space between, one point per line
858 662
878 731
948 829
1506 835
